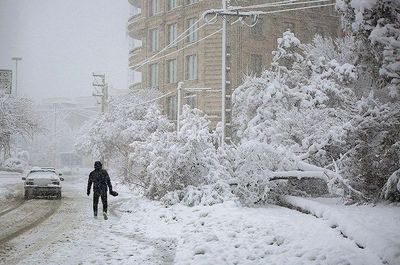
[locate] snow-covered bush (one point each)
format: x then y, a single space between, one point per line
14 163
205 195
391 189
170 161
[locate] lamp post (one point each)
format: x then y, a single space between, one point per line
16 59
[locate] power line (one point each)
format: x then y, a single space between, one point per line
178 39
275 4
191 44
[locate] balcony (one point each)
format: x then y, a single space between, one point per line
136 26
135 56
136 3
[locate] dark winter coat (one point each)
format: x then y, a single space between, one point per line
100 180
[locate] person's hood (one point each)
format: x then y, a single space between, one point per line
97 165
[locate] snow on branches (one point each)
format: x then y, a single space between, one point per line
294 118
170 166
376 27
129 118
16 118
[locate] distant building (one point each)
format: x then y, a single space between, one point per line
197 60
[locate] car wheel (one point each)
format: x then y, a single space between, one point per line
58 196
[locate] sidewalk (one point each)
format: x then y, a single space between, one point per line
373 228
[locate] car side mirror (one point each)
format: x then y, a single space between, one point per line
23 178
62 179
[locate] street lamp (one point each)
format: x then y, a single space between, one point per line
16 59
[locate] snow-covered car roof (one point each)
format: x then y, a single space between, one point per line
42 174
42 169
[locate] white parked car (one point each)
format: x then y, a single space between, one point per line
42 183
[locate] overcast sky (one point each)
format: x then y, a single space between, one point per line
62 42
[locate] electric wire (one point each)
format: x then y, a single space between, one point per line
275 4
178 39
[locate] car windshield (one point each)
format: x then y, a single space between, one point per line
42 174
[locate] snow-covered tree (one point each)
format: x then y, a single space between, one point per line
375 24
374 155
129 118
172 165
16 119
373 141
292 120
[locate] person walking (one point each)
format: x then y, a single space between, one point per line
101 181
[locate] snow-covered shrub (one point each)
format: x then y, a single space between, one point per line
205 195
254 165
14 163
169 161
391 189
24 156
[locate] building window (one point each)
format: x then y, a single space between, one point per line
154 7
172 71
256 64
172 108
172 33
191 67
189 2
258 28
172 4
192 32
289 26
153 69
154 40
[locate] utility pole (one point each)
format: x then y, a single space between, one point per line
223 75
179 103
16 59
101 89
55 135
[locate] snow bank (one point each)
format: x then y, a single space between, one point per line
373 228
230 234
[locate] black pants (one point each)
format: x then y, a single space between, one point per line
96 196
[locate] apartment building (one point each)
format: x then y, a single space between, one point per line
197 59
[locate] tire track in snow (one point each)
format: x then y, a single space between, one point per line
11 207
13 220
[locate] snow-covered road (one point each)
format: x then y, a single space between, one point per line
144 232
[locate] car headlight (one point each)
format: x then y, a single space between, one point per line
30 182
55 182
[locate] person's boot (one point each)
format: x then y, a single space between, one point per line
105 216
95 215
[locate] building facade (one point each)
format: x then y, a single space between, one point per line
196 60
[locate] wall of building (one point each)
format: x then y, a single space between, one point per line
247 47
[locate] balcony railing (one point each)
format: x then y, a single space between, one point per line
136 3
135 50
134 18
